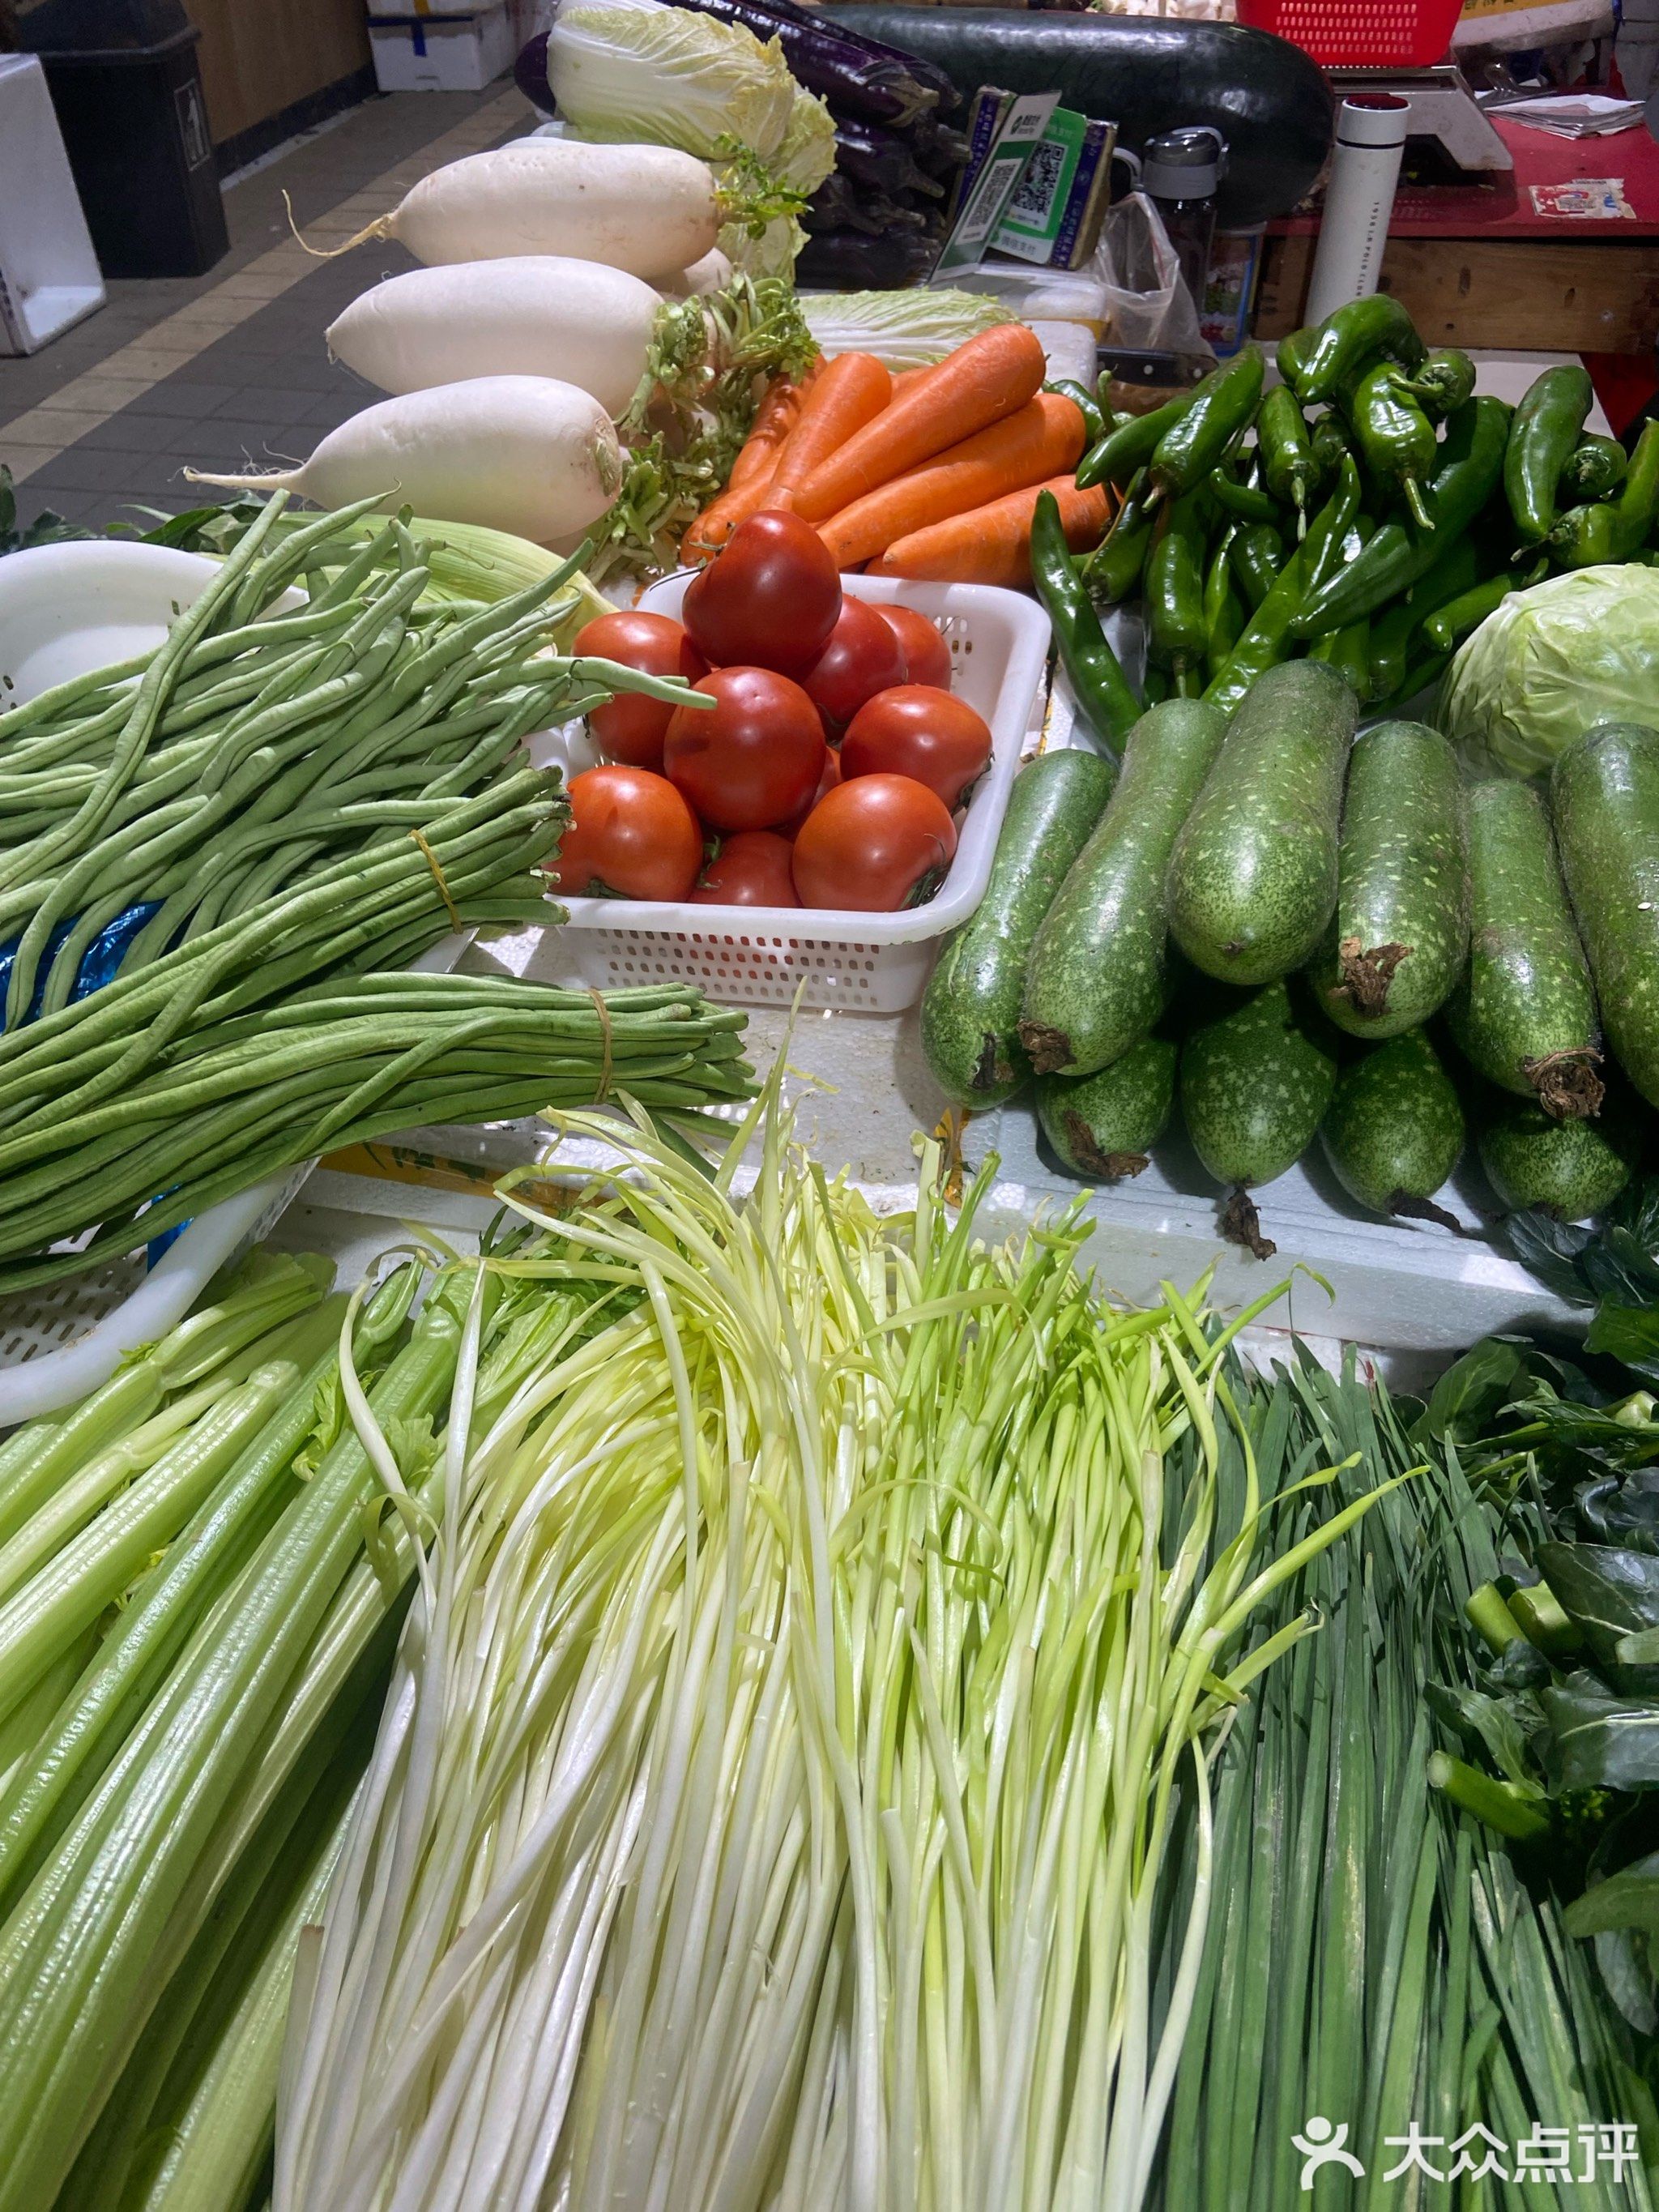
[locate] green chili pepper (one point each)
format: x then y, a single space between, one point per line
1290 468
1329 440
1220 408
1395 437
1244 501
1104 696
1224 609
1114 569
1345 343
1418 678
1348 650
1130 444
1443 383
1471 463
1156 686
1174 586
1595 467
1258 554
1461 565
1449 625
1094 423
1266 639
1339 545
1548 424
1615 529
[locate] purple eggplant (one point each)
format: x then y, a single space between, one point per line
815 19
839 204
849 261
530 75
881 160
938 149
850 74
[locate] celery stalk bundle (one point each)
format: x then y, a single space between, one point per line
198 1608
772 1803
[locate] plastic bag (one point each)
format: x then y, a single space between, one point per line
1147 306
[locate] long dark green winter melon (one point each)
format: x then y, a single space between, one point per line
1269 102
1103 1125
1255 1085
1525 1014
1571 1169
1394 1131
1400 936
1605 795
970 1008
1253 882
1098 976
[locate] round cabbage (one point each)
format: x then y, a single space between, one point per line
1552 662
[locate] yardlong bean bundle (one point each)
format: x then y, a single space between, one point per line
241 1098
259 743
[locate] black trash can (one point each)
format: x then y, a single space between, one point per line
127 87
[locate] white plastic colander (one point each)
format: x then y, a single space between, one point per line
865 963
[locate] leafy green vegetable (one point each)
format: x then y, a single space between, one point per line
47 529
1552 662
670 78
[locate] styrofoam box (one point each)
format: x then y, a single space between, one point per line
864 962
438 51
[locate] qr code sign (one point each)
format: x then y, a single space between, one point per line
1038 187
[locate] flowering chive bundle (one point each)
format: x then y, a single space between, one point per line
772 1803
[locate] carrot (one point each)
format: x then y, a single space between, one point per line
992 545
779 410
708 533
853 390
1043 438
751 479
990 376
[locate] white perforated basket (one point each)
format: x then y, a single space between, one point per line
868 963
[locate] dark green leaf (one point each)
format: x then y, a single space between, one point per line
1625 1957
1499 1729
1610 1593
1628 1333
1629 1898
1468 1396
1598 1741
1621 1512
1551 1250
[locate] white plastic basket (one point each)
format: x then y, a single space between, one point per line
65 610
867 963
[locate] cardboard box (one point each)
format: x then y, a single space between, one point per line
440 53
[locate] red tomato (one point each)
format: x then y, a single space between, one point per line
631 835
864 656
867 845
827 781
926 656
756 759
632 727
916 731
751 869
767 600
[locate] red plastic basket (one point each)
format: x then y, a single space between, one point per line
1360 34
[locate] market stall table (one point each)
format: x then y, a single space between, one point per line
1520 258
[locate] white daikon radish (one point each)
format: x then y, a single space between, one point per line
650 210
522 454
712 273
535 315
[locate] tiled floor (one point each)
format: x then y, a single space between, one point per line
229 371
